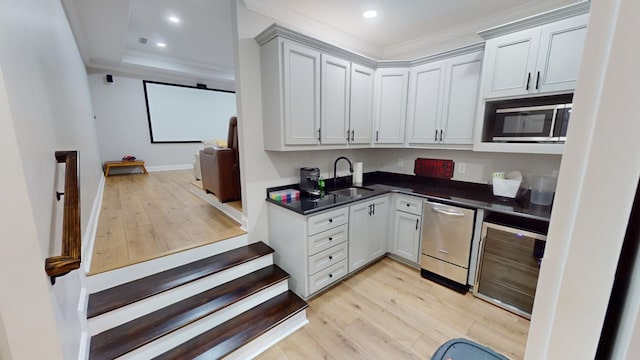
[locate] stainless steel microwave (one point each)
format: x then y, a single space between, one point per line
545 123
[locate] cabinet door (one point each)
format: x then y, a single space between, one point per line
511 61
361 119
359 234
334 117
560 54
301 67
391 105
461 98
425 102
379 225
406 236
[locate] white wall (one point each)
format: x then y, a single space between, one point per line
123 127
596 189
261 169
47 108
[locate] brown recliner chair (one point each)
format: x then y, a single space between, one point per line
221 167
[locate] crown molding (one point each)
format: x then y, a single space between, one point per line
276 30
537 20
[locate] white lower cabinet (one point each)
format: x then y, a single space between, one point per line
312 249
320 249
405 237
368 231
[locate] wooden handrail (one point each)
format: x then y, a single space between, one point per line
56 266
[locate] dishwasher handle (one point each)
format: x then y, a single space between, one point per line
447 211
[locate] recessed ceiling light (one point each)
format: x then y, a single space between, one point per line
370 14
161 44
174 19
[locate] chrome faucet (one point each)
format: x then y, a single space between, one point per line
335 163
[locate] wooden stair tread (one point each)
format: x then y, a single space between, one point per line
233 334
125 294
133 334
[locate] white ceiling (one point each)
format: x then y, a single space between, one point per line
201 46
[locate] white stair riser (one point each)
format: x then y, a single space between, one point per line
270 338
182 335
127 313
109 279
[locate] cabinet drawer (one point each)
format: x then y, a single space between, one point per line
327 276
328 220
327 258
445 269
327 239
409 204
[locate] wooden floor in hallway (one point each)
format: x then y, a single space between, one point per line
148 216
388 311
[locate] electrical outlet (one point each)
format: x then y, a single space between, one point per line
400 163
462 168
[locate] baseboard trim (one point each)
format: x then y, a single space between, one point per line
83 354
92 227
169 167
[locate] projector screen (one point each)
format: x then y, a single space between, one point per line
181 114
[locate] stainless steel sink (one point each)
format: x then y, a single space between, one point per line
351 191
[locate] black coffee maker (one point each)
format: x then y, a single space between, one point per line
309 182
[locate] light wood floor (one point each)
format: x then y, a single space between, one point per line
147 216
389 312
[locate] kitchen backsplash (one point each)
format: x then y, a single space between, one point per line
470 166
477 166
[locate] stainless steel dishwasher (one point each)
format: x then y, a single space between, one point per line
446 244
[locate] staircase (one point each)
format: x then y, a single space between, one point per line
233 303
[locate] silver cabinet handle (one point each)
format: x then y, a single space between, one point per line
348 135
319 135
417 221
440 135
443 251
353 135
377 133
447 212
435 137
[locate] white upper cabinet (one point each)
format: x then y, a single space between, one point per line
334 123
426 90
560 55
301 94
461 90
391 105
510 61
443 97
361 111
291 94
537 60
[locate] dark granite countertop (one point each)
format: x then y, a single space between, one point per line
447 191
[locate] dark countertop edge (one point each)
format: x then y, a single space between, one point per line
383 183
